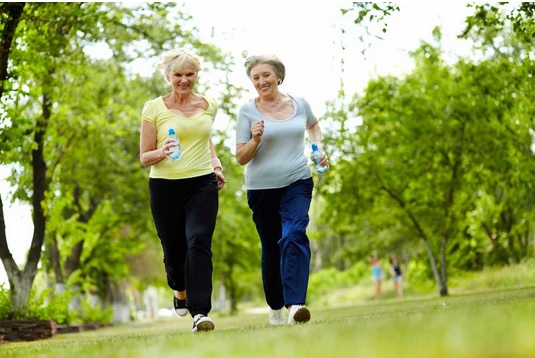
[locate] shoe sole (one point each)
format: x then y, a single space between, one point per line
183 313
205 326
302 315
277 323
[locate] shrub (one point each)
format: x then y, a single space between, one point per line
95 314
44 305
52 306
326 280
5 303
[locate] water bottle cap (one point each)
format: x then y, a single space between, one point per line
171 131
314 146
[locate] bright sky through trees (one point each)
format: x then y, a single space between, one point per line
307 36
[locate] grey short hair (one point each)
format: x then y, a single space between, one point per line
272 60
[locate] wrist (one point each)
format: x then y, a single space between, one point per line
216 164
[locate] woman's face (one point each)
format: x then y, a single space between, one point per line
264 79
183 79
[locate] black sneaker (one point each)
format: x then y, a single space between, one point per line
181 306
202 323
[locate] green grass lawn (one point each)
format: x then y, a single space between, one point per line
489 324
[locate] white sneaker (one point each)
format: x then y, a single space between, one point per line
298 314
202 323
276 317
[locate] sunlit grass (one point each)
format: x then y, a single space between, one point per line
506 276
491 324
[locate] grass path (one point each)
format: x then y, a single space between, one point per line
490 324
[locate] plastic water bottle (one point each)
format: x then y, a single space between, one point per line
316 155
176 151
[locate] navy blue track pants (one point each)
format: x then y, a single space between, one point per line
281 218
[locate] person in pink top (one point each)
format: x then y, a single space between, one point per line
377 275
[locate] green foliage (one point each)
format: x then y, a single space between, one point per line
95 313
440 168
5 303
490 20
511 276
419 276
372 12
235 245
83 113
47 306
324 282
438 162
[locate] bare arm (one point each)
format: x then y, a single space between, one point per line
148 153
245 152
216 164
314 134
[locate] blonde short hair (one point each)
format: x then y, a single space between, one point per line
177 59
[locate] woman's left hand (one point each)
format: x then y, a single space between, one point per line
324 161
220 179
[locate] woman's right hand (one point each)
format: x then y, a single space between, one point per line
257 130
169 142
246 151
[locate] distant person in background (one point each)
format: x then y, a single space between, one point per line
397 275
377 275
150 300
270 135
184 193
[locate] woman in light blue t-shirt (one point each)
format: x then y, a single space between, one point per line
270 136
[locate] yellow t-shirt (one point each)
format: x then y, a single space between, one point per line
193 135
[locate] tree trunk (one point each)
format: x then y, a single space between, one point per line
318 259
21 281
220 302
55 260
443 265
119 300
73 261
14 12
232 290
21 285
442 285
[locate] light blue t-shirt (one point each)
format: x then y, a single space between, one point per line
280 158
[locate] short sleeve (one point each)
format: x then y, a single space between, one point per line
147 114
243 127
212 107
311 118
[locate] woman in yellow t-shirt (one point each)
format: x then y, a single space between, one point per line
183 193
